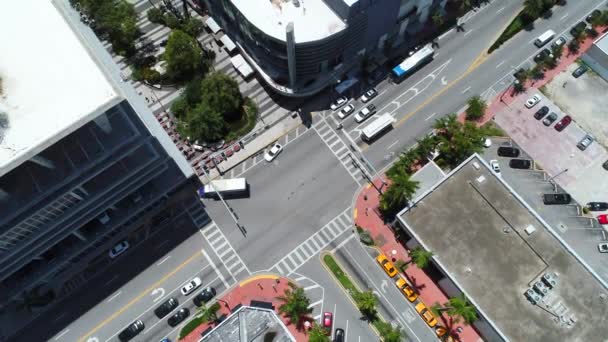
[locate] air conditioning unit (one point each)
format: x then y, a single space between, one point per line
541 288
532 296
550 280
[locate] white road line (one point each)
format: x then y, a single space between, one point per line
346 332
430 116
219 274
62 334
564 16
114 296
315 303
464 91
445 34
335 315
311 287
500 10
499 64
391 145
299 279
467 33
342 243
162 261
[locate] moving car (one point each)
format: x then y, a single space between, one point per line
178 317
506 151
118 249
191 286
563 123
602 219
406 289
165 308
556 199
550 119
541 112
387 265
585 142
328 321
531 102
520 164
341 101
339 335
579 71
346 111
597 206
365 113
495 166
131 331
602 247
426 314
204 296
369 94
273 152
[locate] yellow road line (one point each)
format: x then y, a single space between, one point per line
263 276
140 296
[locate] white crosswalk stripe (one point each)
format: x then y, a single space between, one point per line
338 148
223 249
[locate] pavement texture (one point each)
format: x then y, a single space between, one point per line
260 288
367 217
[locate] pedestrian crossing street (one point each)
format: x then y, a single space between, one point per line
339 149
223 249
313 245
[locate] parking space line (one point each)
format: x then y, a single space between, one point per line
312 287
315 303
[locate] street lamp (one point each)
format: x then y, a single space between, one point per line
550 180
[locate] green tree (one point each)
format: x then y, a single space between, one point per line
477 108
403 164
557 51
156 16
366 303
458 141
420 257
425 146
184 56
457 308
537 73
574 46
438 19
221 92
209 314
399 193
203 123
388 333
318 334
533 8
295 304
193 27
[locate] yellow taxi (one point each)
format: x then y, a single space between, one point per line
387 265
406 289
426 314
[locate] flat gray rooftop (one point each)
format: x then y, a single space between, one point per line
475 227
250 324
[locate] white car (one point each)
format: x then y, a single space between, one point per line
365 113
191 286
119 248
273 152
487 142
369 94
346 111
603 247
495 166
531 102
339 103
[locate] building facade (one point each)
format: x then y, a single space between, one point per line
275 36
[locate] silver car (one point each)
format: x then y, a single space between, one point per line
585 142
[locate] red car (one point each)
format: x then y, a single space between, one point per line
327 321
602 219
563 123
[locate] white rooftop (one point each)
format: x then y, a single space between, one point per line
312 20
51 84
602 43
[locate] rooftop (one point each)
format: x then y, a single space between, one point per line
312 19
602 43
250 324
51 84
474 224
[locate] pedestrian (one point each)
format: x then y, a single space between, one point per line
147 100
564 85
260 286
366 209
274 287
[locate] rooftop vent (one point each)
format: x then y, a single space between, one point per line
530 229
481 179
476 165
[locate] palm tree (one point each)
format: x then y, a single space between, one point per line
437 18
477 108
366 303
573 46
537 73
388 333
295 304
209 314
426 146
318 334
533 8
457 308
399 193
420 257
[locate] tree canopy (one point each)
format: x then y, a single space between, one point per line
183 55
388 332
477 108
457 141
222 94
366 303
318 334
420 257
399 193
295 304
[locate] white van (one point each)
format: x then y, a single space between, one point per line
544 38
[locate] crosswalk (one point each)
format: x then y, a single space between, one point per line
339 149
313 245
314 292
223 249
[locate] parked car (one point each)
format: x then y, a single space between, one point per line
576 29
487 142
426 314
563 123
549 199
544 53
494 165
118 249
558 42
547 121
346 111
597 206
603 247
605 165
328 321
131 331
406 290
531 102
273 152
592 15
365 113
339 335
341 101
520 163
387 265
579 71
541 112
178 317
165 308
506 151
585 142
204 296
191 286
369 95
602 219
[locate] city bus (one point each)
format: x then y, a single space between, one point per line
382 124
229 188
412 63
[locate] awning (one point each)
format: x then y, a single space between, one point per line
212 25
345 85
228 43
241 65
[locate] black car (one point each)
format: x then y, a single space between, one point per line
339 335
578 29
165 308
541 112
506 151
556 199
593 14
579 71
520 163
178 317
164 42
597 206
605 165
549 119
204 296
542 55
131 331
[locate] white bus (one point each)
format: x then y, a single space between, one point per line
544 38
382 124
232 187
412 63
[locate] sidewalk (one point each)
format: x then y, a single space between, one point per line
367 217
255 288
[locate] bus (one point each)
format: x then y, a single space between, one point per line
382 124
412 63
230 188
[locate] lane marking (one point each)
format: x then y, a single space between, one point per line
346 332
391 145
311 287
162 261
320 301
342 243
564 16
219 274
467 89
500 10
499 64
62 334
114 296
467 33
445 34
430 116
